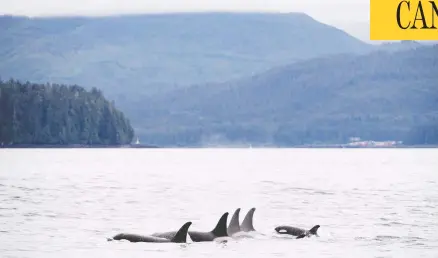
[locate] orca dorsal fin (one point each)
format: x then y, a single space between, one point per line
247 221
221 228
314 230
181 234
234 226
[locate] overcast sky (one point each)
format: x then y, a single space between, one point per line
322 10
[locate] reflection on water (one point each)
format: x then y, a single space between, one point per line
369 203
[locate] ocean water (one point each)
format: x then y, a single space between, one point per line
369 202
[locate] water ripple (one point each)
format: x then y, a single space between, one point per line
70 202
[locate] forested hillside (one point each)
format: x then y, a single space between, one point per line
132 55
378 96
59 115
196 78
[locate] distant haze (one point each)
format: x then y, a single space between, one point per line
325 11
340 13
351 16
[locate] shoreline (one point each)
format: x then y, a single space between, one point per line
75 146
135 146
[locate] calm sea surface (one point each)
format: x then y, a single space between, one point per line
369 203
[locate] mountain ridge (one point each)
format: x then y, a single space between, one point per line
156 52
381 95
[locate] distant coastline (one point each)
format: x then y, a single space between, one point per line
141 146
75 146
369 147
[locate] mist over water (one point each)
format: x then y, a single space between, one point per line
369 203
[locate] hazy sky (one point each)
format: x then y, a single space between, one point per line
322 10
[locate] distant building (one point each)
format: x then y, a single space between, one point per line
374 144
354 139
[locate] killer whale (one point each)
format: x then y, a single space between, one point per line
247 223
298 232
197 236
234 226
180 236
237 230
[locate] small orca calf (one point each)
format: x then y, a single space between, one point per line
298 232
219 231
179 237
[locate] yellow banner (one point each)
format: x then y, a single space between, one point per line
403 20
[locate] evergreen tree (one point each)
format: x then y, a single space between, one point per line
58 114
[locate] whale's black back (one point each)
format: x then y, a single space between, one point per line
139 238
219 231
179 236
294 231
168 235
298 232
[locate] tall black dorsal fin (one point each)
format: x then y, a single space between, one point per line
181 235
221 228
234 226
247 221
314 230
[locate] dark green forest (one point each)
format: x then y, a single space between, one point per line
53 114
